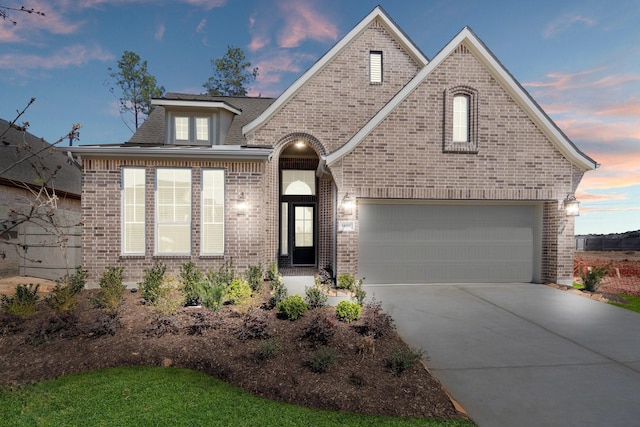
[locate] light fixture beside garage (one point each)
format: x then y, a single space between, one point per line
571 205
347 205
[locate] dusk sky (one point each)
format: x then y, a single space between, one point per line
579 59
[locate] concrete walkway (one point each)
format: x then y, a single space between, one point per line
524 354
298 284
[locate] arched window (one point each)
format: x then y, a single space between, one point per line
461 118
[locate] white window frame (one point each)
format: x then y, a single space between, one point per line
375 67
205 237
138 210
461 103
198 128
185 224
181 127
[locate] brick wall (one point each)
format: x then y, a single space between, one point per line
244 230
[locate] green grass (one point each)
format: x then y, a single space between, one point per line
152 396
633 303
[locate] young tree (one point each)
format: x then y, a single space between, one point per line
138 87
231 74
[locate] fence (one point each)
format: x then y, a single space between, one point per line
605 244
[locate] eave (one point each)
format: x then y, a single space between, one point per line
219 152
195 104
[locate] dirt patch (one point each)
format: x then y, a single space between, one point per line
48 345
623 276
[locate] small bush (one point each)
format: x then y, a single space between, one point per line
76 281
254 326
320 360
201 322
292 307
272 272
254 276
278 292
320 330
346 281
359 293
592 278
212 294
62 299
375 322
227 273
23 301
268 349
237 292
169 297
56 326
191 283
104 324
111 289
315 296
152 280
164 325
403 359
348 311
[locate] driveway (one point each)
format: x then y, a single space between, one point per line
524 354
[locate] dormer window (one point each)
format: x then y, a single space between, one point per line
191 129
181 126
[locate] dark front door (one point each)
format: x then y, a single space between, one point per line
303 229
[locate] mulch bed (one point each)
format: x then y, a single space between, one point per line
47 346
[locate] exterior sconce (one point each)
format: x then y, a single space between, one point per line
571 206
242 204
300 144
347 205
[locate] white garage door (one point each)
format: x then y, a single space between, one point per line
449 243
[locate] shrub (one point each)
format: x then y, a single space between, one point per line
375 322
23 301
227 273
201 322
359 293
278 292
272 272
62 299
404 358
212 294
320 330
169 296
268 349
292 307
348 311
56 326
76 281
104 324
254 326
315 296
346 281
237 292
592 278
254 275
191 283
111 289
151 283
320 360
164 325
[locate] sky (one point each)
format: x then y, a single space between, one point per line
579 59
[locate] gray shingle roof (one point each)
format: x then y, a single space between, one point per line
152 131
16 145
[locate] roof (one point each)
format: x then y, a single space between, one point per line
376 14
24 147
502 76
152 131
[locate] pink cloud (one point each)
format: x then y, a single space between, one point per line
53 22
76 55
303 22
564 23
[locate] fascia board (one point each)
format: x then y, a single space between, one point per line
377 13
466 37
197 104
231 152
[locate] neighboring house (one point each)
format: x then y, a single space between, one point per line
44 246
376 161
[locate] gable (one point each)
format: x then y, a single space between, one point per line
467 41
345 58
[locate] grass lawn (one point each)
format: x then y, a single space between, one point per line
633 303
136 396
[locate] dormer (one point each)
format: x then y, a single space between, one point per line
201 122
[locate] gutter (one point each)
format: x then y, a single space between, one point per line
230 152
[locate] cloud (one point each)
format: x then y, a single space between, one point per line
201 25
76 55
275 65
303 22
54 22
562 24
159 34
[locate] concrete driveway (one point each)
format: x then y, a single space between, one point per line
524 354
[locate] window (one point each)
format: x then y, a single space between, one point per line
460 132
461 118
173 211
375 67
191 129
298 182
133 211
212 233
284 229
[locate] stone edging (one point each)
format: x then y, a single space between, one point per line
591 295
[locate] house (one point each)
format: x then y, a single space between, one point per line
39 236
376 161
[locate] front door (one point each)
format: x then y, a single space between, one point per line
303 228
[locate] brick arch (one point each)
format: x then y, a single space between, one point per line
292 138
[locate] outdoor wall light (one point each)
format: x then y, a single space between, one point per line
571 205
300 144
242 203
347 205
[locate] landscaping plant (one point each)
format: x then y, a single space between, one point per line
111 289
292 307
268 348
403 359
212 293
346 281
254 275
23 301
278 292
63 297
191 283
237 292
592 278
321 359
152 280
348 311
169 296
320 330
316 295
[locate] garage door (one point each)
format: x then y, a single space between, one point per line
449 243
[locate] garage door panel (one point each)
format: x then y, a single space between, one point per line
446 243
